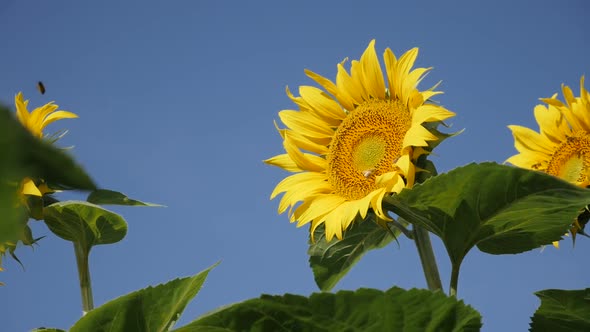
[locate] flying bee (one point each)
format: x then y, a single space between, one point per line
41 87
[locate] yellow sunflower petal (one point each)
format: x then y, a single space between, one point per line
430 113
58 115
39 114
348 86
410 83
343 99
356 73
523 160
405 63
418 136
551 123
22 114
305 161
373 76
305 123
333 224
283 161
390 66
294 179
526 139
29 188
377 205
301 192
427 95
329 110
319 206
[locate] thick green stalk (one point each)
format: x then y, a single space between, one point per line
422 240
454 280
84 276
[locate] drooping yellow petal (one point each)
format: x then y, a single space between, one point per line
305 123
430 113
319 206
418 136
305 161
58 115
283 161
29 188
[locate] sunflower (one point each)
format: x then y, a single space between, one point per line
562 145
40 117
35 122
361 140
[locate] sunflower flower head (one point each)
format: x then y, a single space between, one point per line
40 117
562 145
355 141
35 122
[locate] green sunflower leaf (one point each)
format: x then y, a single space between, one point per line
331 261
361 310
149 309
110 197
85 223
501 209
562 311
26 156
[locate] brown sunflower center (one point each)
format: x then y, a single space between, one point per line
571 160
366 144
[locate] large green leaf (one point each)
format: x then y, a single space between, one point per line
361 310
26 156
150 309
562 311
110 197
501 209
331 261
85 223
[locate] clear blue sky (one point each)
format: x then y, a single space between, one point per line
176 101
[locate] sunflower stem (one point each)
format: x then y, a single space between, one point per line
424 246
408 233
454 280
84 276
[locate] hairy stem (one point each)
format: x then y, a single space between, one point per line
454 280
84 276
422 240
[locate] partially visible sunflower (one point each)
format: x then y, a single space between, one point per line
35 122
562 145
40 117
362 135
